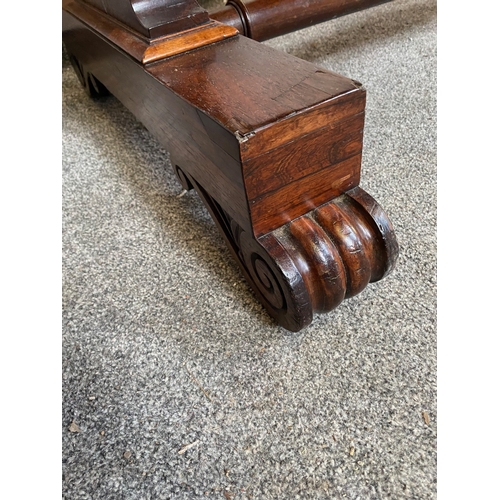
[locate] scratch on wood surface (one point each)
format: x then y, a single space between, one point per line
300 82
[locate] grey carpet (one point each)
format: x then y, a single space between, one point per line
164 344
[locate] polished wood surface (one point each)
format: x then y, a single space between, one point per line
188 40
153 18
148 50
265 19
311 264
272 144
319 154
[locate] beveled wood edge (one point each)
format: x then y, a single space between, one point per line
188 40
140 48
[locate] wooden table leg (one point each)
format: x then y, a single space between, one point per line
271 143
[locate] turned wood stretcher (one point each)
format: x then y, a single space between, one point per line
271 143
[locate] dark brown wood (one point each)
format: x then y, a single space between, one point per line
307 165
154 18
265 19
143 49
271 143
311 264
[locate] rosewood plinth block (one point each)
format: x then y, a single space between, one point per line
271 143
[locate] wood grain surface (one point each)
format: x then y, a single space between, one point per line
265 19
153 18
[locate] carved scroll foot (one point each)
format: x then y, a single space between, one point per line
311 264
93 87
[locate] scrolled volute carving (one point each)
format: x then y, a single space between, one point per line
314 262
